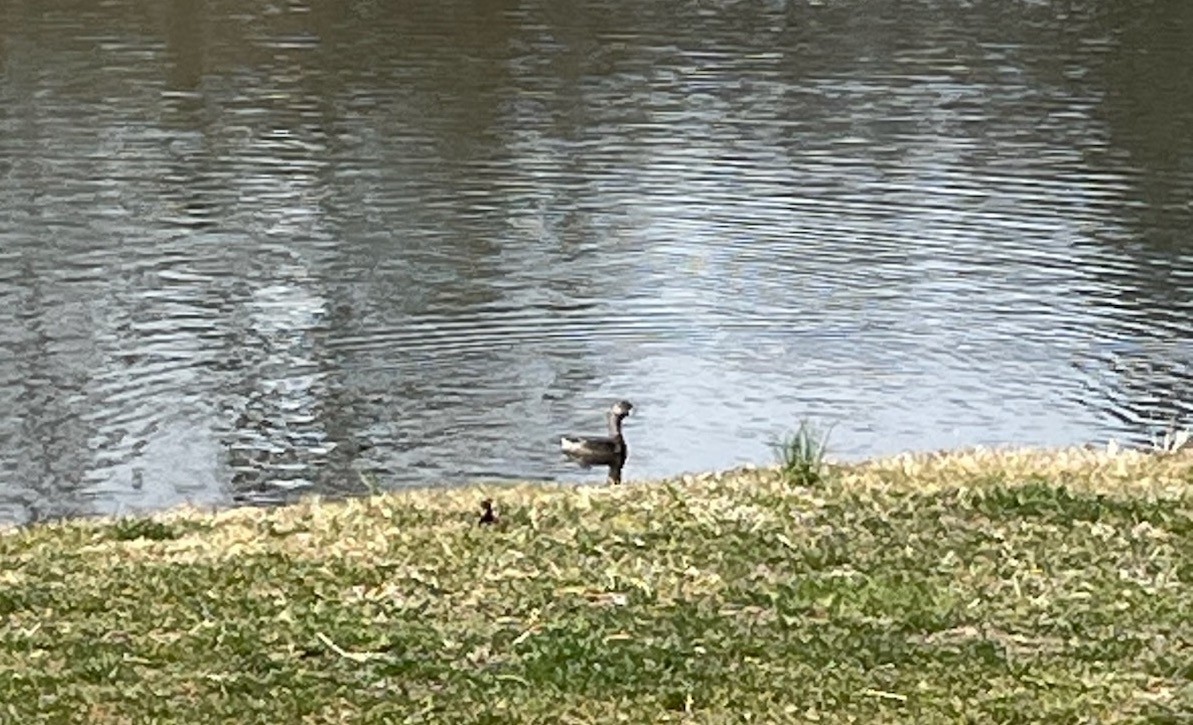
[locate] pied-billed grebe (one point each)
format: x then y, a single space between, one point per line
607 450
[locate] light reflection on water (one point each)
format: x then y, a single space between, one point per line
246 255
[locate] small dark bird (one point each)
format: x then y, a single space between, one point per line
488 514
610 450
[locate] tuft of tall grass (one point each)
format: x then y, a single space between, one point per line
800 455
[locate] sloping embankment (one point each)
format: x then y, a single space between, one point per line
1052 586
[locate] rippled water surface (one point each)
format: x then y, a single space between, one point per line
252 251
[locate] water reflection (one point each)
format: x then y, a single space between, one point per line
249 252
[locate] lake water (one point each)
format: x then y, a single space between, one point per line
251 251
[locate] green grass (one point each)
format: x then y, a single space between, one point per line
978 586
801 455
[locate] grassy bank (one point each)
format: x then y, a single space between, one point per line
995 587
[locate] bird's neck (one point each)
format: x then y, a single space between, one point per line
614 424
